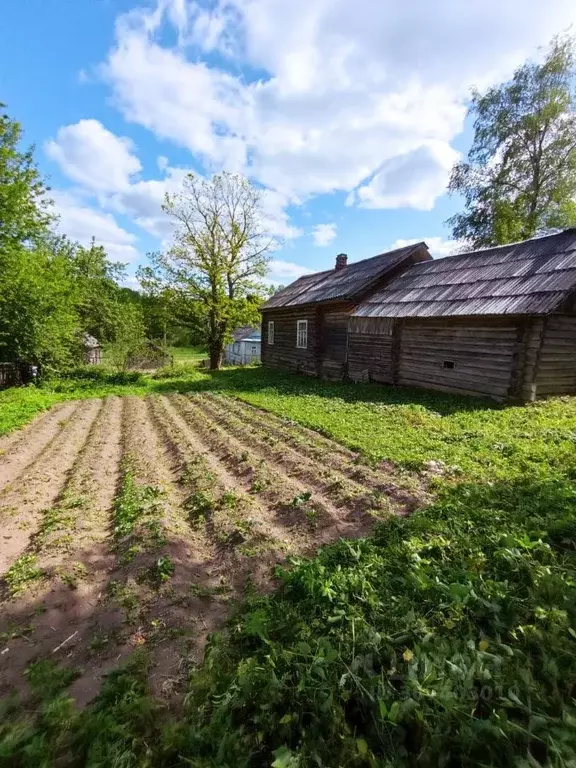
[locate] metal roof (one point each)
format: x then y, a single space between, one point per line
532 277
90 342
346 283
245 332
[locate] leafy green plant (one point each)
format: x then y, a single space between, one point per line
22 573
301 499
159 572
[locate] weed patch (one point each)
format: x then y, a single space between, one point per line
22 574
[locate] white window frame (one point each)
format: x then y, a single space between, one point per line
271 332
302 334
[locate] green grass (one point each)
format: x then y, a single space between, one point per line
444 639
184 355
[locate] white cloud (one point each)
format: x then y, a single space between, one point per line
285 271
92 156
81 223
131 281
350 94
323 234
438 247
413 180
103 164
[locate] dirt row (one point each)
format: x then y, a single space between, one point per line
130 522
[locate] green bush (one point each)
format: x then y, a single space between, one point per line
99 375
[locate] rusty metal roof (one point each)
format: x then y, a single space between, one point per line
532 277
347 283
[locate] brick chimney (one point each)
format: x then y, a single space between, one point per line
341 261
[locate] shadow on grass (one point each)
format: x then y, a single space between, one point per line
244 380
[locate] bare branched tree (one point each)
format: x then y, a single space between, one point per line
219 252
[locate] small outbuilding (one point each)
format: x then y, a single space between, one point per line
92 350
498 322
245 347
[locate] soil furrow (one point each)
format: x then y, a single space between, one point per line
397 484
41 484
19 451
310 436
353 499
291 499
148 600
72 552
241 516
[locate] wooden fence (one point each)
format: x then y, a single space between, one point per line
13 374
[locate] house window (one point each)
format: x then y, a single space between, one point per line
449 364
236 347
254 350
302 334
271 332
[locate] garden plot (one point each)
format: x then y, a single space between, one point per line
130 522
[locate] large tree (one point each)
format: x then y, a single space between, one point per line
219 252
24 206
520 176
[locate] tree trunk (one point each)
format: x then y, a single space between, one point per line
216 350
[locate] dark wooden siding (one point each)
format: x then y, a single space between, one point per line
284 353
370 350
483 353
556 364
333 340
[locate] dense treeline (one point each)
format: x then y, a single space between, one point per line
54 291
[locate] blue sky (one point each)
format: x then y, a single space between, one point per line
348 113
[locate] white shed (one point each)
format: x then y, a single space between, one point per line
244 349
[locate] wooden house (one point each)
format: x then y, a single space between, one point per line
305 325
244 349
498 322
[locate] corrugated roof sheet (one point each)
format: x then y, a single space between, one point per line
346 283
532 277
244 332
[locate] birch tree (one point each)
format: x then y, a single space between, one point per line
519 179
219 252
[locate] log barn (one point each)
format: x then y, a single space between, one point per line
305 325
499 322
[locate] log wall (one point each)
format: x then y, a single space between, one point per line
556 364
472 356
332 350
370 346
284 353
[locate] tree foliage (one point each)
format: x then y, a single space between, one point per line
519 179
98 297
51 290
218 255
24 205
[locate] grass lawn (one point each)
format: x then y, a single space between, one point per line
447 638
183 355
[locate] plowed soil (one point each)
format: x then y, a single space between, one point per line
217 493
